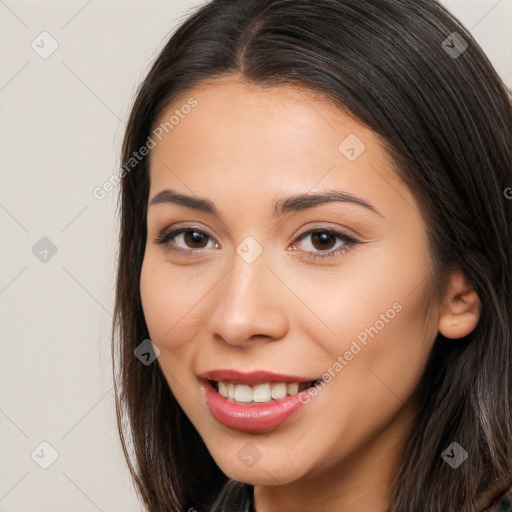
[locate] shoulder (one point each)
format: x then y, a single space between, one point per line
500 503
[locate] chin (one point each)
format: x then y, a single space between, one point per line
246 463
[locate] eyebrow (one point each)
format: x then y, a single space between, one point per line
282 206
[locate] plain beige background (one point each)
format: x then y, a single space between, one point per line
62 119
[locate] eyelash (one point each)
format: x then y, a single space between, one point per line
164 238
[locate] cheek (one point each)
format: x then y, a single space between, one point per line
168 301
380 366
378 323
155 297
369 300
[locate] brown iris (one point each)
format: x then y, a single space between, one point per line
193 237
322 237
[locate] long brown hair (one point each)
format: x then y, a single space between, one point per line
445 117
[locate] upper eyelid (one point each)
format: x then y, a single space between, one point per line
175 231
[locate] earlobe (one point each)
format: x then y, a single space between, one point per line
460 308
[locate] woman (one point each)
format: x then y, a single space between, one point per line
314 263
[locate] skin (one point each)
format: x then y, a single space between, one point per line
244 147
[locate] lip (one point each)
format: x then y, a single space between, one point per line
251 377
255 417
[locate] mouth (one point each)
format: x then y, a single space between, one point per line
244 393
255 401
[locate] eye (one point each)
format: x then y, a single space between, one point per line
192 238
324 240
195 240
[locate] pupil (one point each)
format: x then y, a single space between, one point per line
323 237
194 237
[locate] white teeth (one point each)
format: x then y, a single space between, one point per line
278 390
243 393
231 391
292 388
262 393
259 393
223 389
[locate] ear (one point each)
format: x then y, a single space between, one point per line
460 308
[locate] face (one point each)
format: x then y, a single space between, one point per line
262 283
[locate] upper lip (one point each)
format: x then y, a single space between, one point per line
251 377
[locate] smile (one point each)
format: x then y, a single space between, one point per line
255 401
259 393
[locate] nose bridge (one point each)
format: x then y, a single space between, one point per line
247 305
248 275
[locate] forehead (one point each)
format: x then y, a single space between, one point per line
284 113
241 137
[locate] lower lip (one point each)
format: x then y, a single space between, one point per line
252 417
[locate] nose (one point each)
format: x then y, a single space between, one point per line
249 305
